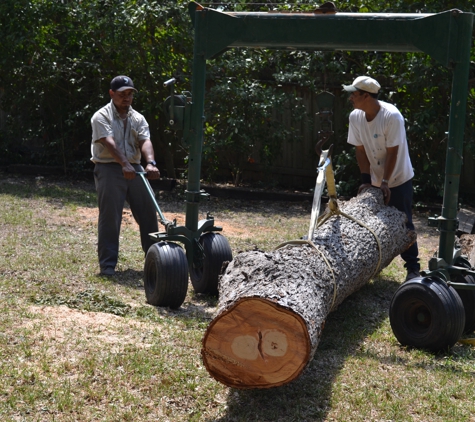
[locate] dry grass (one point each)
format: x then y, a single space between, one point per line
75 346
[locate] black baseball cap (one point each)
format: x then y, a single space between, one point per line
121 83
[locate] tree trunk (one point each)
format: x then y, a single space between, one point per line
467 242
273 305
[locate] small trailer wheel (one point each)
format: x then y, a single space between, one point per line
166 275
216 251
427 314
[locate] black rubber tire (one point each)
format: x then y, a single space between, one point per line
468 300
166 275
427 314
216 251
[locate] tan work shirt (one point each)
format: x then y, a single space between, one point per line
107 122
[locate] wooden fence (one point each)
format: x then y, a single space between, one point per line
296 167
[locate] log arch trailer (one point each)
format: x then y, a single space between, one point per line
429 312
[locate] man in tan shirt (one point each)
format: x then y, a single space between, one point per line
120 140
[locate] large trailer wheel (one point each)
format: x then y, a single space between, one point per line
166 275
216 251
468 300
427 314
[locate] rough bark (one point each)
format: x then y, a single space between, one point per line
467 242
273 305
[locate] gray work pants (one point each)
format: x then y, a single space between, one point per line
112 192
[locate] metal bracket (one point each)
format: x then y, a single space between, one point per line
189 238
436 264
196 196
444 224
439 268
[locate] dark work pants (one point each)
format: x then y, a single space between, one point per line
401 198
112 192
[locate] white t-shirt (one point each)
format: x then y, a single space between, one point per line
385 130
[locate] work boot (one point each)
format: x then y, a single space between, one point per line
108 271
412 274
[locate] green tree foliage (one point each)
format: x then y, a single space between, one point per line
58 60
256 118
421 89
418 85
58 57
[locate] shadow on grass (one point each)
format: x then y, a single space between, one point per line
201 308
308 398
128 278
26 186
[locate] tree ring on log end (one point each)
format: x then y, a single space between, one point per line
256 343
245 347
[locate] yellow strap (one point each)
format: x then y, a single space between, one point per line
308 242
470 341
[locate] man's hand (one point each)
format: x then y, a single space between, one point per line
129 171
153 172
386 192
147 154
363 187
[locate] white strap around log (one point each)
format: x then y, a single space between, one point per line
334 211
310 243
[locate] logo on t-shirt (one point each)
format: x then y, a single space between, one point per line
376 136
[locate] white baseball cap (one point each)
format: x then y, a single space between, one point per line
363 83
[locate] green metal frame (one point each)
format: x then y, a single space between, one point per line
445 36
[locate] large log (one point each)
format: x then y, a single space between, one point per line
273 305
467 243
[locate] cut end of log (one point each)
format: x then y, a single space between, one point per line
256 344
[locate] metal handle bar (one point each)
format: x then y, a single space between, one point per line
169 82
143 175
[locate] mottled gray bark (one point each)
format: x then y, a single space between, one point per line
467 242
273 305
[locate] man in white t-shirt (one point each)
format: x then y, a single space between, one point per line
377 131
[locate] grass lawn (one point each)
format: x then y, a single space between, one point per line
75 346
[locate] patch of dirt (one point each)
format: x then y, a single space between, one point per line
238 229
110 329
427 237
